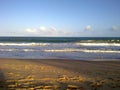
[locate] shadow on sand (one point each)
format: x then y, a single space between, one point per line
3 84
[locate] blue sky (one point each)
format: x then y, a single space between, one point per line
82 18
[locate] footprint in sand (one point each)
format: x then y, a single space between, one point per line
48 87
30 77
12 86
96 84
74 87
39 87
63 78
11 74
77 78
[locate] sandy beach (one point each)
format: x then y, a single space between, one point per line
35 74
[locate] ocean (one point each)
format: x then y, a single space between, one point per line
78 48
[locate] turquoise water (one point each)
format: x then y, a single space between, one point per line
85 48
60 39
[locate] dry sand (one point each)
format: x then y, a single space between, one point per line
21 74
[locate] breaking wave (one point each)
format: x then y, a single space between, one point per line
98 44
82 50
24 44
62 50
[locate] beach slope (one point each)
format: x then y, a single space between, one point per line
59 74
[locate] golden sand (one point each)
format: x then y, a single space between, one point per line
19 74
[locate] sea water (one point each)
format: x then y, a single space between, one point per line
80 48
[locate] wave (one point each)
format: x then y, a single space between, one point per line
61 50
8 50
24 44
82 50
101 51
25 50
58 44
98 44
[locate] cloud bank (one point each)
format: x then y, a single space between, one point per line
53 31
48 31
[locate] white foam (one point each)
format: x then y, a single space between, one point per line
98 44
24 44
10 50
81 50
28 50
61 50
101 51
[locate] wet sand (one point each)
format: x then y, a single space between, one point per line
59 74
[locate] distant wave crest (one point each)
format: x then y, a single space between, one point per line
98 44
24 44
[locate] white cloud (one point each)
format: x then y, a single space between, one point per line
48 31
43 31
31 30
88 27
42 28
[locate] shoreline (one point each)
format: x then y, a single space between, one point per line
62 59
52 74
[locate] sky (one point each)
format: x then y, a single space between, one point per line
68 18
